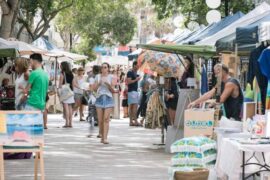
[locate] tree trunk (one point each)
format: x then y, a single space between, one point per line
9 9
65 36
227 8
5 28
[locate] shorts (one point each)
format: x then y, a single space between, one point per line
31 108
104 102
133 97
78 96
124 103
172 103
21 106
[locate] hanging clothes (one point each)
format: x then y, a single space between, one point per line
254 70
264 61
204 81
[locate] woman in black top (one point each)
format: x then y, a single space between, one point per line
67 77
171 98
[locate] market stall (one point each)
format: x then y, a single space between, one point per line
10 50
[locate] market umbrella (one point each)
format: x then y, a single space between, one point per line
55 53
144 66
165 64
7 50
24 48
63 56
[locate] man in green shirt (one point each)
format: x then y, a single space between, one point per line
37 87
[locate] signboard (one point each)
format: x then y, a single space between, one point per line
199 122
21 128
267 129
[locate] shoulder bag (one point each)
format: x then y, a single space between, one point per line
65 92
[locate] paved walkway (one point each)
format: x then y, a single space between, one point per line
71 155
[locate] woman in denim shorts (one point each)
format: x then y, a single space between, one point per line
104 102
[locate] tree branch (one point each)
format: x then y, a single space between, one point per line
27 27
44 27
20 32
54 13
36 30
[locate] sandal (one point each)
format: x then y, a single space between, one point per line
82 119
99 136
139 125
133 123
65 126
105 142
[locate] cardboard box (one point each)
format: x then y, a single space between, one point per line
232 62
199 122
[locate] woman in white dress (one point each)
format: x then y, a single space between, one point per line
22 69
66 77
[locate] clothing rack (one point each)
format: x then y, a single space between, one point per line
162 100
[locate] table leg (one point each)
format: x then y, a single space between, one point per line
243 166
36 166
2 171
41 165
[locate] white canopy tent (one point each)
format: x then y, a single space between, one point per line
249 18
56 53
112 60
63 56
22 47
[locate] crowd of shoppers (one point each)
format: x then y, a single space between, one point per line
103 81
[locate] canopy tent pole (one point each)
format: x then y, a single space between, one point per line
185 66
181 61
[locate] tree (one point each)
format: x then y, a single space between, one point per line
196 10
24 12
46 10
65 28
97 22
150 24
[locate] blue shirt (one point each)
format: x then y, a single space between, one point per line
264 62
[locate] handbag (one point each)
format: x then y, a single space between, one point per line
65 92
84 101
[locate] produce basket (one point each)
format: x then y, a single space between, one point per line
196 174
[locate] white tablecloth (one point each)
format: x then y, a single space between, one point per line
230 156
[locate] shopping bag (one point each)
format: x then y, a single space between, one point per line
65 92
199 122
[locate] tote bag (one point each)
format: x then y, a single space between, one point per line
65 92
